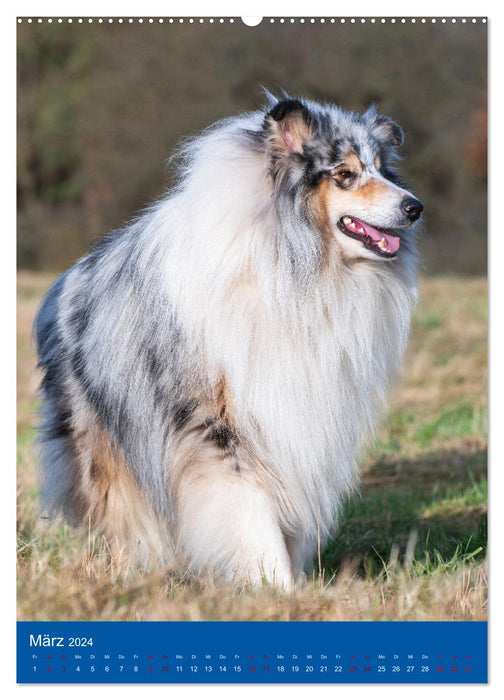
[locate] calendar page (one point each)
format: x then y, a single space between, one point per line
252 322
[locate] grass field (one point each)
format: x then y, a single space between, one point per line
411 544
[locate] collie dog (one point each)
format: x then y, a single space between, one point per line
211 369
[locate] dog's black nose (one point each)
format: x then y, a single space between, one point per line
412 208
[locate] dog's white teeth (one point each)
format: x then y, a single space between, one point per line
361 230
347 220
382 244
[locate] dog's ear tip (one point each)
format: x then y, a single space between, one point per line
391 129
397 134
285 107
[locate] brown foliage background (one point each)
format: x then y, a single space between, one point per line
101 107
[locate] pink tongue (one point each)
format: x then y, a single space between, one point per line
392 242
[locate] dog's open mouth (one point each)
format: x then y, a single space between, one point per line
379 241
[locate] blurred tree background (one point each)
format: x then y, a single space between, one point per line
102 106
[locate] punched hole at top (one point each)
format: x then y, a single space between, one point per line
251 21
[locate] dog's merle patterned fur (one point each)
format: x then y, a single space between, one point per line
209 370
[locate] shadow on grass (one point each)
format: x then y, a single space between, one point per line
431 509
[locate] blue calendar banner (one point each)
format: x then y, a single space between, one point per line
252 652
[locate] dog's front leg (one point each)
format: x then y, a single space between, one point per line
228 524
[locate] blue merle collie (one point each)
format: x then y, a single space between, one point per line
211 369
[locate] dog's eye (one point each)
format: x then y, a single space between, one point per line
345 178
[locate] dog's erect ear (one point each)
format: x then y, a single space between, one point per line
289 127
387 131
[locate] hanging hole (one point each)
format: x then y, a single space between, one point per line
251 21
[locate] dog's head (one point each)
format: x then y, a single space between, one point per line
334 169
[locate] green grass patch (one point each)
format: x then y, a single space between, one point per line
438 522
461 421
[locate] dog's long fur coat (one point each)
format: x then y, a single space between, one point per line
211 369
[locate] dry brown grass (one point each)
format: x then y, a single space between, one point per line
81 584
66 574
